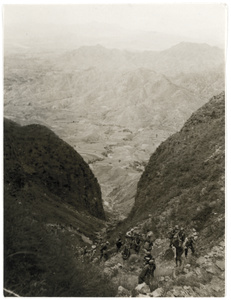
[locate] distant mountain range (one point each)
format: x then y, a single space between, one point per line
181 58
122 85
60 37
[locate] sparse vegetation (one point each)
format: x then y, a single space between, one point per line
39 263
45 183
183 179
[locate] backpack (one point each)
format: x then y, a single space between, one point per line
189 242
148 245
176 242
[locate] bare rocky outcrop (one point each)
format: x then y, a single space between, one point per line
142 288
122 292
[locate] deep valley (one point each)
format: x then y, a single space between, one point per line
99 142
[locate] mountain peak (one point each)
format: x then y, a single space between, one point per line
193 46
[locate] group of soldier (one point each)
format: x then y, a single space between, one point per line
135 242
138 243
180 243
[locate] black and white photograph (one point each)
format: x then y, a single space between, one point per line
114 149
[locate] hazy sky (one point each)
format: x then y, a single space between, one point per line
204 21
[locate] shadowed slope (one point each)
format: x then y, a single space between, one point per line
34 155
52 205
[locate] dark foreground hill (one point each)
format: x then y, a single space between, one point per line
36 159
52 205
184 181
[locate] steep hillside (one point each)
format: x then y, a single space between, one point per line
34 155
184 179
52 206
183 184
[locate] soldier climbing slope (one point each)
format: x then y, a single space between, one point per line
181 234
148 244
189 245
126 251
119 243
173 234
147 272
137 243
103 251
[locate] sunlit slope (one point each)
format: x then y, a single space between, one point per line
184 180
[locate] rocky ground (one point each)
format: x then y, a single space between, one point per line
199 275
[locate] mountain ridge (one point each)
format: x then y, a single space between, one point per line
184 178
63 37
198 56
